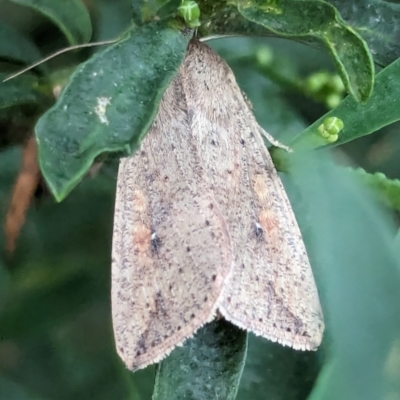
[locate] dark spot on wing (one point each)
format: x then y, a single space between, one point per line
259 231
141 345
160 305
298 325
155 242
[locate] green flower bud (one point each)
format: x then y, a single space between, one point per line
190 12
264 56
333 100
316 82
336 84
330 129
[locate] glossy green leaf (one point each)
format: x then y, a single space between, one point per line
207 366
383 108
227 21
109 104
71 17
378 22
23 89
317 19
14 46
350 241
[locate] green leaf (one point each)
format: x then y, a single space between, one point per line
23 89
208 366
317 19
378 22
109 104
148 10
383 108
71 17
273 371
15 46
387 190
350 241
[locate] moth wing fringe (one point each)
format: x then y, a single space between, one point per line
276 338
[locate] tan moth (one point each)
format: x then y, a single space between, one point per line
203 225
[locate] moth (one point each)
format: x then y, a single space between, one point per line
203 226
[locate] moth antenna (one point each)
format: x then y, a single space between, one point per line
57 53
275 142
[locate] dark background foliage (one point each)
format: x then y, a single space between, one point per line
56 337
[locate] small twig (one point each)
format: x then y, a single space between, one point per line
57 53
23 192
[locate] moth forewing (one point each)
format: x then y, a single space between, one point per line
271 290
171 248
202 222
